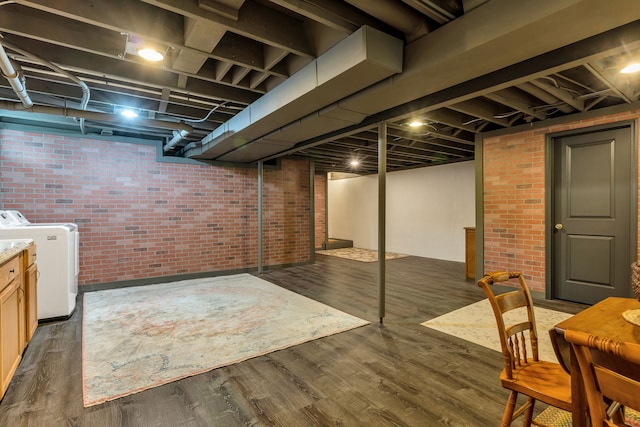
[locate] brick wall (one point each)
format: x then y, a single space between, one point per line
139 218
514 198
320 193
286 210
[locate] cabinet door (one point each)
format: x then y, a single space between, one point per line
31 298
10 351
22 318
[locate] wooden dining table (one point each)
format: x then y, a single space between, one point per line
603 319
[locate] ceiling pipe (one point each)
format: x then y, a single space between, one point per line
397 15
96 116
86 93
180 135
15 80
177 137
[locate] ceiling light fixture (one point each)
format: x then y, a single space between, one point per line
150 54
415 123
631 68
129 113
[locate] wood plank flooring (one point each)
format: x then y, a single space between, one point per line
398 373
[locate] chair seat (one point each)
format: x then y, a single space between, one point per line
544 381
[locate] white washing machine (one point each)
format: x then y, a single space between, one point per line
57 246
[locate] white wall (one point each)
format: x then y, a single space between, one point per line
427 210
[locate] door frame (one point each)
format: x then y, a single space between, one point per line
550 138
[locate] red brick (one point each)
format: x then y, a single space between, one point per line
107 188
509 162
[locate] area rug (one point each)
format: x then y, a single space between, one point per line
358 254
141 337
556 417
476 323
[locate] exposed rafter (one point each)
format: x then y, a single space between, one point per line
224 59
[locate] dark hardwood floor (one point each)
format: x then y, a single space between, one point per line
398 373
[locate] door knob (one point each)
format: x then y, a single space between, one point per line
559 226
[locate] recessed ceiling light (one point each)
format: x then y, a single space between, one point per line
631 68
150 54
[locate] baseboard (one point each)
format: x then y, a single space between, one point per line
177 277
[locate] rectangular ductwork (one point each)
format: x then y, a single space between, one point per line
364 58
326 120
486 40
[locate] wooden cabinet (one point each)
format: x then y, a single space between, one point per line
18 308
31 290
22 310
470 252
11 301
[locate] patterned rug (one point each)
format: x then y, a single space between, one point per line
141 337
358 254
476 323
555 417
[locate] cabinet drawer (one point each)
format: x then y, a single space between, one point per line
9 270
30 255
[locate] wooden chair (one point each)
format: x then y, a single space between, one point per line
523 372
610 373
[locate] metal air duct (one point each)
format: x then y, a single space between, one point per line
496 35
15 80
365 57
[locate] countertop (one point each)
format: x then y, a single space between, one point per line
12 247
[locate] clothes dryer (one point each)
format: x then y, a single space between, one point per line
57 246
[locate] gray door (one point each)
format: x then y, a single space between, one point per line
593 240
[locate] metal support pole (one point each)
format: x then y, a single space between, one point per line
326 208
382 202
260 172
312 211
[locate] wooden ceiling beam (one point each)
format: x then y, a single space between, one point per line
126 71
132 17
562 94
608 77
481 109
255 21
427 130
62 31
507 98
105 35
416 154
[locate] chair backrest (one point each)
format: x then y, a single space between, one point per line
518 336
610 370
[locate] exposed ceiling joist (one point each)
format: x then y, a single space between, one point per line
224 56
